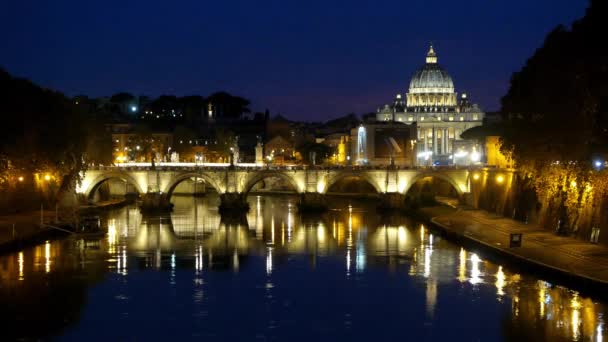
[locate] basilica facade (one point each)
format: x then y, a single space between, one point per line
440 116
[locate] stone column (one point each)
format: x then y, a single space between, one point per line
435 141
445 141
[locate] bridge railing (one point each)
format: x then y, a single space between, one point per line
258 167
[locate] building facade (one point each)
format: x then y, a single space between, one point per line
383 144
441 116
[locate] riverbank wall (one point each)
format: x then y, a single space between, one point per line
564 260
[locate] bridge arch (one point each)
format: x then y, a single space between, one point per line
168 190
261 175
97 181
437 175
344 174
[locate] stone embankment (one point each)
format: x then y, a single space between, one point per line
578 263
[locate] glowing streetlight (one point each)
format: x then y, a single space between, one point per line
476 176
20 178
500 179
47 177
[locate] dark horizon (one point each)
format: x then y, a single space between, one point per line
308 62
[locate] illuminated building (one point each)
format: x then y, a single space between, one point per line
432 103
384 143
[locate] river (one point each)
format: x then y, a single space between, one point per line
272 275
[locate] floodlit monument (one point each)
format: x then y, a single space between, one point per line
432 103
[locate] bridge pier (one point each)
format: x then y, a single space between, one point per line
155 201
312 201
233 202
467 199
391 201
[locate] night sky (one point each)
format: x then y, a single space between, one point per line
308 60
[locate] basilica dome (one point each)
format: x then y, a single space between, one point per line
431 78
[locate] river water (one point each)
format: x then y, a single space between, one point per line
272 275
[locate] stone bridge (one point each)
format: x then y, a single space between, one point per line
156 184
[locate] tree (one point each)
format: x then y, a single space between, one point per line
43 132
557 106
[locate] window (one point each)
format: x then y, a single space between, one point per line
451 118
475 117
462 118
411 118
422 118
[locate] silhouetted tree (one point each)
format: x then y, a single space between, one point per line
557 105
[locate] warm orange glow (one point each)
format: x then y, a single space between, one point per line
476 176
20 178
47 177
500 179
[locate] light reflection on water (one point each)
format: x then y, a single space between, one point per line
359 268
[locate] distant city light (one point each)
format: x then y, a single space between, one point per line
598 164
134 108
20 178
461 154
475 156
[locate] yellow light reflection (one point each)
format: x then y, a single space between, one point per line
47 257
500 282
112 236
198 258
320 233
462 266
402 235
269 261
542 293
20 261
427 261
475 273
272 230
348 261
576 306
289 223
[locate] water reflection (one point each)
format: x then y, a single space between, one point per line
367 254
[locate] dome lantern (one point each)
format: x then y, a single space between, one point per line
431 56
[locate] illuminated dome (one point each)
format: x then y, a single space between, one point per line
431 87
431 78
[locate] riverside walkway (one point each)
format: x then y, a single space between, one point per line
571 259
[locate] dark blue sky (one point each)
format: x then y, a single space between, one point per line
308 60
